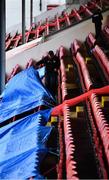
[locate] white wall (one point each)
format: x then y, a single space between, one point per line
56 2
13 12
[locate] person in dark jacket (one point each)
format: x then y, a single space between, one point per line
52 65
97 19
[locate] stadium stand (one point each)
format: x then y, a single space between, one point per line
52 26
68 139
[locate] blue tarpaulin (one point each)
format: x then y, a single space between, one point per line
44 116
20 167
23 146
41 72
23 92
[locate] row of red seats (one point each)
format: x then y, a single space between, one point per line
102 126
63 73
100 56
102 59
61 163
17 69
36 31
91 40
14 71
71 172
96 142
79 60
69 151
106 32
99 119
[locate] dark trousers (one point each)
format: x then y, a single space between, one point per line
51 81
97 30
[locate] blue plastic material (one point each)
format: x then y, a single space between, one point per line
41 72
23 92
20 167
44 116
23 146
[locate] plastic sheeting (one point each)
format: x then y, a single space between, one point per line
20 167
23 146
41 72
23 92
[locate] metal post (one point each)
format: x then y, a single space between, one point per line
23 21
2 44
40 5
31 12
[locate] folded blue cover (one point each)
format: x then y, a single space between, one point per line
23 146
24 92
